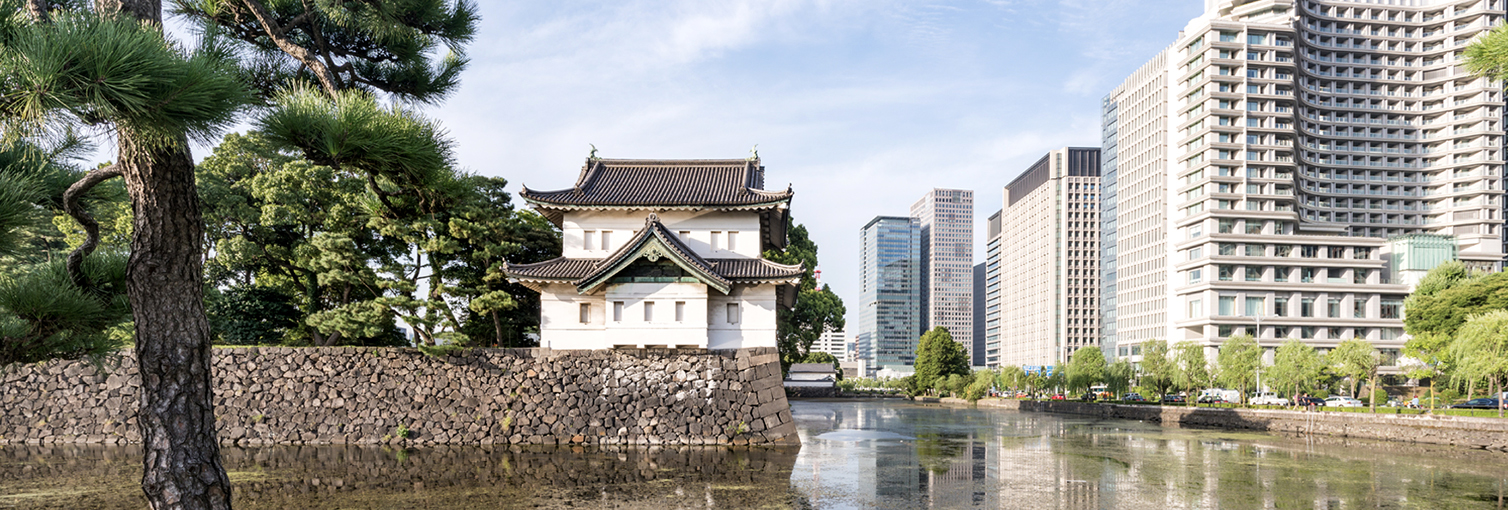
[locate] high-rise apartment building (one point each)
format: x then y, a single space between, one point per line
1262 162
890 290
1051 229
946 217
992 267
832 342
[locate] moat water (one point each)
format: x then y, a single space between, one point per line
854 454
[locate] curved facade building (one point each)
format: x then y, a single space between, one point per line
1293 140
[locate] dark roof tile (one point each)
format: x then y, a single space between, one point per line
663 183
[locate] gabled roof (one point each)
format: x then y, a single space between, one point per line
698 183
653 242
670 184
564 270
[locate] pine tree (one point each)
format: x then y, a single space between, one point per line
114 67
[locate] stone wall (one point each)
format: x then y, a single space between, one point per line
356 395
1490 433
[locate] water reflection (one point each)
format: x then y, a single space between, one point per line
443 477
854 454
964 458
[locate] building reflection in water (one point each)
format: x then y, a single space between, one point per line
901 455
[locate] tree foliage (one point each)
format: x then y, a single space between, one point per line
1118 377
815 310
1240 360
391 46
938 356
1482 348
1355 360
1296 368
1193 370
252 315
1158 371
1488 55
1085 369
1455 298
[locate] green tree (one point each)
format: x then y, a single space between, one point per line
823 357
1118 377
1354 360
1158 371
1240 360
1428 356
1010 377
1193 374
1085 369
44 313
372 46
252 315
116 68
1296 367
1482 348
937 357
1488 56
1445 310
815 311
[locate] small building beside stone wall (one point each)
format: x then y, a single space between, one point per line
662 253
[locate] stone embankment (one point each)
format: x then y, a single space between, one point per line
1489 433
355 395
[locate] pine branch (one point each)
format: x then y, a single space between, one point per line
91 227
279 36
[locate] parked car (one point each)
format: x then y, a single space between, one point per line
1211 399
1339 401
1269 399
1311 401
1134 397
1173 399
1478 403
1056 397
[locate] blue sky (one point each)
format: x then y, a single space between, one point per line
860 105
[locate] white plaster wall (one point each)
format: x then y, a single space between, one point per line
756 327
560 326
663 330
699 226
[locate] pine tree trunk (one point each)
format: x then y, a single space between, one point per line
164 281
182 467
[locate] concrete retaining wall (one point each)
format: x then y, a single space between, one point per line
483 396
1491 433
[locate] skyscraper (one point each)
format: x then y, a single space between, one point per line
1051 229
978 314
947 229
992 268
1263 160
890 285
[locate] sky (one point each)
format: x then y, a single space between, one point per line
860 105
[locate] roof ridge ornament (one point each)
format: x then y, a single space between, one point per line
754 153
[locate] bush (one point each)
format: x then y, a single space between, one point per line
977 390
1321 393
1379 397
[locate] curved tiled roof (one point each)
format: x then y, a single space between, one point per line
663 183
569 270
586 274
